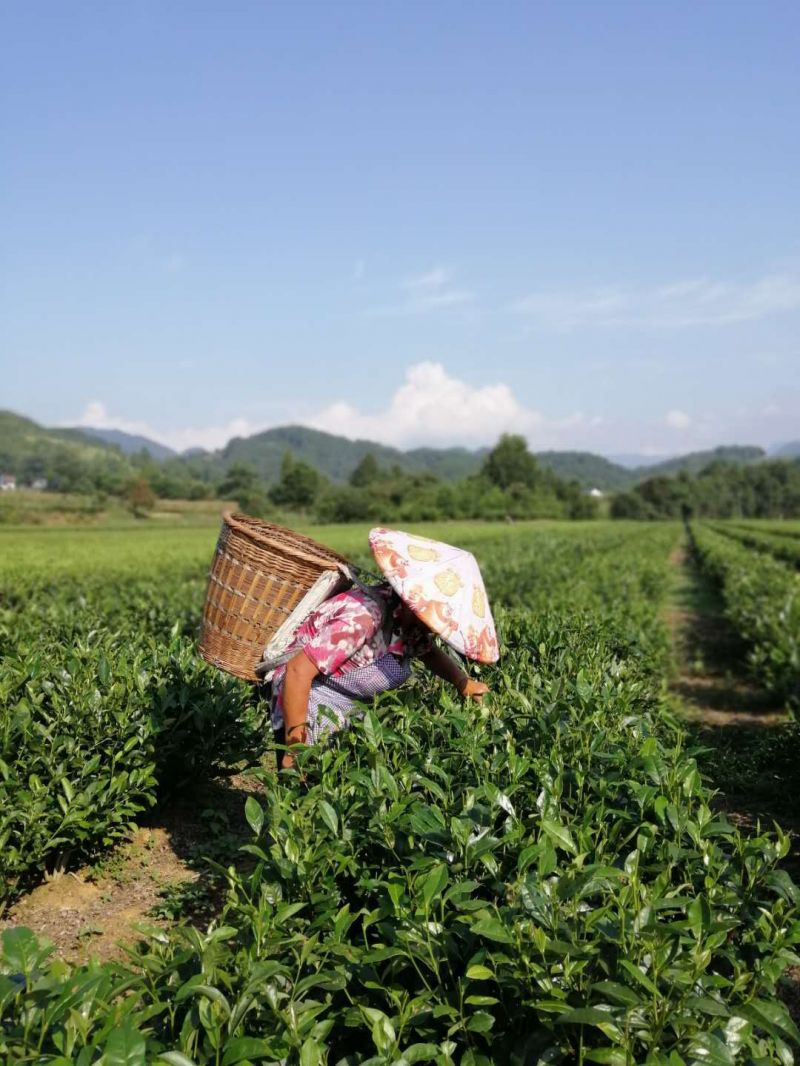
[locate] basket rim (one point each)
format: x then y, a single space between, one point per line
233 519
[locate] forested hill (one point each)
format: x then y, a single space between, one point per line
694 462
592 471
337 457
30 450
129 443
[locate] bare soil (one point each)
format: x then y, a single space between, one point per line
710 679
99 910
728 712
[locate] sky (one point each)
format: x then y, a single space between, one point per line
419 223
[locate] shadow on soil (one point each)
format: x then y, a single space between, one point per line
712 658
207 823
754 745
160 876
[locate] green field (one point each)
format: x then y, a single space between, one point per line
144 547
545 878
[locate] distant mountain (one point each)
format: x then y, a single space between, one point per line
28 450
694 462
787 451
129 443
447 463
337 457
633 461
592 471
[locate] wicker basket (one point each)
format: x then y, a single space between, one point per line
260 573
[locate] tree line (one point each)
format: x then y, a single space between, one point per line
510 485
768 489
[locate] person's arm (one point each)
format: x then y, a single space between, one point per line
300 672
439 663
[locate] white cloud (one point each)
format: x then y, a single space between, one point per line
432 407
677 420
434 290
700 302
97 416
431 280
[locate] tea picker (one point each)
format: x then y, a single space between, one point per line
280 607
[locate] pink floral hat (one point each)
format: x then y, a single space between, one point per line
443 587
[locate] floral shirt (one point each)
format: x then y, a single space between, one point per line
347 632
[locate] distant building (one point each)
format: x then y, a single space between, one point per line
597 493
39 483
7 482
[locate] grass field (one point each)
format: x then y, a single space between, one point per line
26 507
548 877
141 547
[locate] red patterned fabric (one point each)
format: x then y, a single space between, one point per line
347 633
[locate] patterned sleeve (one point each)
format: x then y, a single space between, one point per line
344 625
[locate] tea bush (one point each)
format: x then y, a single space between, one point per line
537 880
762 601
782 545
106 706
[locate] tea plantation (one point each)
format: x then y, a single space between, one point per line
544 878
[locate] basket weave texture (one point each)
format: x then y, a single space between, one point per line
259 574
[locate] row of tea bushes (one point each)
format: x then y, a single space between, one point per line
537 880
762 601
106 706
783 546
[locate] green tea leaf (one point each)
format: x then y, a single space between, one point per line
434 883
586 1016
254 814
247 1047
708 1048
329 816
480 1022
125 1047
559 834
492 929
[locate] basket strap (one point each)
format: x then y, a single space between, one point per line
358 575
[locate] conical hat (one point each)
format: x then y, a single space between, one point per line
443 587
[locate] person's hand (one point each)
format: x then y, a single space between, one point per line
294 735
472 689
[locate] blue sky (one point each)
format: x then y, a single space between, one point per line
416 222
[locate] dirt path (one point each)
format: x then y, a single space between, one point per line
709 680
160 875
739 721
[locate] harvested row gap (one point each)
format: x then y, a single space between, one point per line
710 679
741 724
158 877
